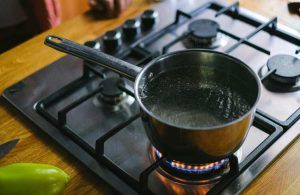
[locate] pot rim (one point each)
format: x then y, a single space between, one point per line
151 63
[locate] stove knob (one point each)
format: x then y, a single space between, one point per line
149 18
131 28
93 44
112 40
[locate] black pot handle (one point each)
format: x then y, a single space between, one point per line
126 69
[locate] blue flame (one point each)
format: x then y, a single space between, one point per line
199 169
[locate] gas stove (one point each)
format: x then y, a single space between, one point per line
92 113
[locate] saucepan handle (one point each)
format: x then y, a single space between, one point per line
126 69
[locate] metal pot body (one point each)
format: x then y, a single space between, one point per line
192 146
203 144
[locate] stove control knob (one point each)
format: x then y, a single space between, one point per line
93 44
149 18
131 28
112 40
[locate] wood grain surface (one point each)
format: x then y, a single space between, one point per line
271 8
282 177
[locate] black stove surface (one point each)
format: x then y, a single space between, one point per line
92 113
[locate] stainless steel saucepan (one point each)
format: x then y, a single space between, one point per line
197 105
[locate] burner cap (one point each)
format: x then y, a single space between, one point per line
287 68
204 29
111 91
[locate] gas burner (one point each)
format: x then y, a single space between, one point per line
191 173
204 34
286 75
287 68
111 96
194 169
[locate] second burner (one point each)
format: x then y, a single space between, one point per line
204 33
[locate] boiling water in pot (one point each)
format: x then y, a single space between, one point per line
193 97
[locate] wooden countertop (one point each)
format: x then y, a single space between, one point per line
282 177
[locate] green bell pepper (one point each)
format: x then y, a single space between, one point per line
32 179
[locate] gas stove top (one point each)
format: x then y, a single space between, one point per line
91 111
